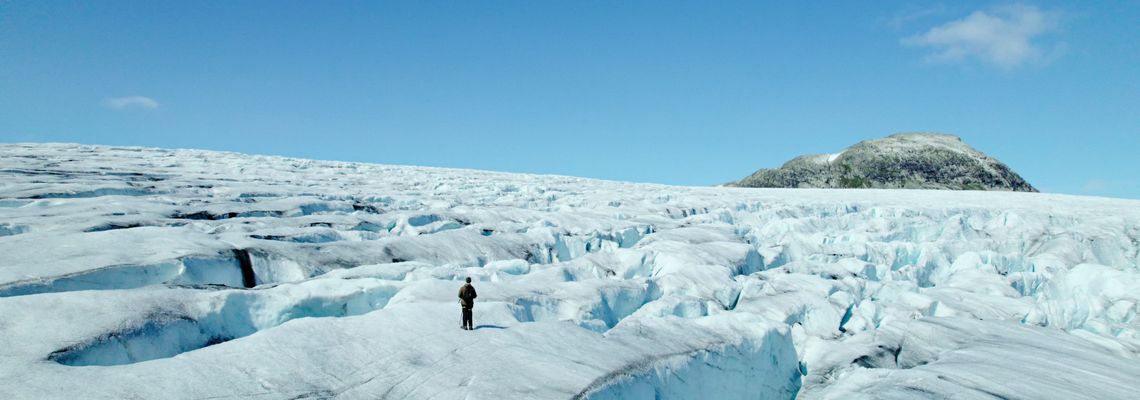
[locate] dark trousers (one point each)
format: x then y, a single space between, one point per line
467 318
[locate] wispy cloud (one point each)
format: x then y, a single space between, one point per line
130 102
1112 187
1094 185
913 14
1006 36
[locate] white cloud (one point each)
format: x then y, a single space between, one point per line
913 14
1004 36
1094 185
129 102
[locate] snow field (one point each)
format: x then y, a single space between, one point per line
176 273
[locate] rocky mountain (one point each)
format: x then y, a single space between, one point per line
905 160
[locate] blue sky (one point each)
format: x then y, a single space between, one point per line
692 93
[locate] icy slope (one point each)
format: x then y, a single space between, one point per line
128 272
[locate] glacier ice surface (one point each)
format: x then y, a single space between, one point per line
150 273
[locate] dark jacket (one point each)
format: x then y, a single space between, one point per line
467 296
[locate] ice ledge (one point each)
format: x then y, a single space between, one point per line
767 369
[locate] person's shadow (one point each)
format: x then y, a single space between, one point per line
489 327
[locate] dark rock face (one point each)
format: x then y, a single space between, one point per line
910 161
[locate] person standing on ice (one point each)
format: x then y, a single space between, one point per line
467 301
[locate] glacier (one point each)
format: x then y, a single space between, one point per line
131 272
